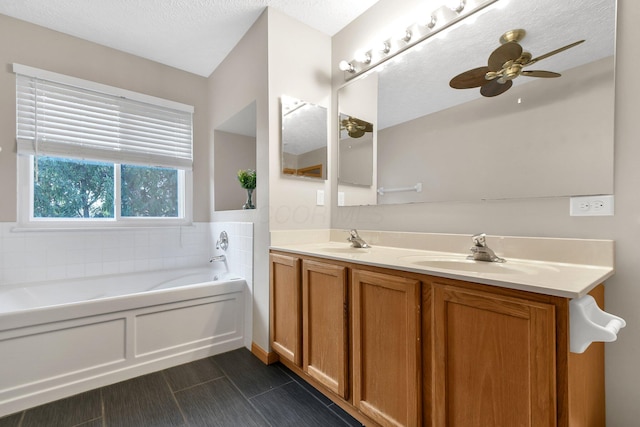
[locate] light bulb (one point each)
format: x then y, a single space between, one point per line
405 36
384 47
431 22
362 56
456 5
346 66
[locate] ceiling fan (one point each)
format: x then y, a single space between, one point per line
355 128
505 64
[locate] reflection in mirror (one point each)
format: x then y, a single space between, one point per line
304 138
234 148
356 172
543 137
356 151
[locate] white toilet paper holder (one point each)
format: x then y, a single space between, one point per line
588 323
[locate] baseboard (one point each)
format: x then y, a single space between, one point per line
264 356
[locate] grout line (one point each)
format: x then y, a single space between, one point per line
173 396
270 390
224 376
104 418
250 402
337 414
197 385
88 421
298 380
247 399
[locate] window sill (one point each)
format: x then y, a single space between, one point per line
57 227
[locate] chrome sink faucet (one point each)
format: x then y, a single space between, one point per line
356 240
481 252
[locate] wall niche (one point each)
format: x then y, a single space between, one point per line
234 148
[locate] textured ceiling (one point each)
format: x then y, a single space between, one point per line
191 35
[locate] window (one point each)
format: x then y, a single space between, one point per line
91 154
69 188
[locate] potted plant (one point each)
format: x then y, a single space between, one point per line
247 178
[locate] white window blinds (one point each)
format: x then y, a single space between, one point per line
61 117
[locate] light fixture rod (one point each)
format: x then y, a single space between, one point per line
357 68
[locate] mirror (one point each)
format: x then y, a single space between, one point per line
544 137
234 148
304 138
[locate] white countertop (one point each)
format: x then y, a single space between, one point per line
564 279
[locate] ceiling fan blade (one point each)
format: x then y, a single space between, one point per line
494 88
539 73
362 124
507 52
553 52
470 78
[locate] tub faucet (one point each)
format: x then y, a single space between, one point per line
223 241
218 258
481 252
356 240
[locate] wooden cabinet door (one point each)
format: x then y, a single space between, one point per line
285 307
386 348
324 325
494 360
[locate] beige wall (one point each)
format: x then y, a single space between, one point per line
278 56
239 80
544 216
231 152
299 66
38 47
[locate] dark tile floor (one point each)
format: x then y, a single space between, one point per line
232 389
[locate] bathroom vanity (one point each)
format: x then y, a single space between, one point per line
414 336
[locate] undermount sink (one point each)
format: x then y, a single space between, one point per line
472 266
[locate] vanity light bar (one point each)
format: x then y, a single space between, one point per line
440 19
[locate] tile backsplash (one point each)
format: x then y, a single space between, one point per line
28 256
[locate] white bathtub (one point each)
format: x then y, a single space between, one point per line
61 338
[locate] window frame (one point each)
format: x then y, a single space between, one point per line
27 220
25 167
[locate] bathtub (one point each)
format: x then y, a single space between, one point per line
65 337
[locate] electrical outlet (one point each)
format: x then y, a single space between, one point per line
320 198
340 198
591 205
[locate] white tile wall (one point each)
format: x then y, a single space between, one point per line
240 251
27 256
